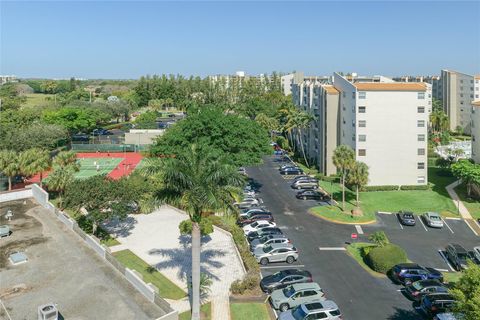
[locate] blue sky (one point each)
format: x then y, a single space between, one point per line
128 39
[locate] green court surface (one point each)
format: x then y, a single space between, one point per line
88 166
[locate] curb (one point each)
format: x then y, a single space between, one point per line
341 222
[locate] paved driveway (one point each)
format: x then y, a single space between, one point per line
156 239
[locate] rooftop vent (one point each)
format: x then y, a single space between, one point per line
48 312
18 258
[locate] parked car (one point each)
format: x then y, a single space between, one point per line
291 171
287 165
433 220
457 255
435 303
312 195
296 294
406 273
418 289
406 218
476 253
247 203
448 316
298 178
282 252
254 226
267 241
262 233
80 136
305 184
256 217
101 132
250 212
284 278
325 310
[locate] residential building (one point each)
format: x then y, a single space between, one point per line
288 80
476 87
7 78
458 92
383 121
475 117
435 81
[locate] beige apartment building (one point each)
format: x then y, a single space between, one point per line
458 92
384 121
475 118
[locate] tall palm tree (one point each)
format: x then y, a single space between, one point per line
303 122
197 183
358 177
344 159
33 161
66 158
9 165
59 179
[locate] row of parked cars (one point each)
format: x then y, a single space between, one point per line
292 291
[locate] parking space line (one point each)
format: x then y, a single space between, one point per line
359 229
384 212
400 225
283 266
331 248
446 260
445 222
420 219
452 218
441 270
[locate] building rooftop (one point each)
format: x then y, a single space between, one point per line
394 86
476 103
330 89
477 76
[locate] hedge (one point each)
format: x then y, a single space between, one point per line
422 187
382 259
380 188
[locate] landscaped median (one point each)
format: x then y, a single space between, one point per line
167 289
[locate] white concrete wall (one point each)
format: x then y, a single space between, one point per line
15 195
476 134
347 109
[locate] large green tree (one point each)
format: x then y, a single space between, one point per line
9 165
75 119
238 140
33 161
466 292
59 179
199 183
344 159
468 172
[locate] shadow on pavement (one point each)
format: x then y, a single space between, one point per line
402 314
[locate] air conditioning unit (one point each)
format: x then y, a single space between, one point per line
48 312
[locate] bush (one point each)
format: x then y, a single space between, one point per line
250 282
423 187
379 188
382 259
379 238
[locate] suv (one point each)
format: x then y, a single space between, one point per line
418 289
268 240
436 303
284 278
406 273
263 232
305 184
457 255
406 218
277 252
296 294
291 170
325 310
433 220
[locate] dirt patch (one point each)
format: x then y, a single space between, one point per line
14 291
19 245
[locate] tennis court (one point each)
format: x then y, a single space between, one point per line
93 166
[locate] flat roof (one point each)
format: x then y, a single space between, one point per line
390 86
330 89
476 103
477 76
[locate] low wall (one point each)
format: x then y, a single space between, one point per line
136 280
16 195
94 243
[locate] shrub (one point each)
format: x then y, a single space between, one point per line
379 188
379 238
382 259
250 282
423 187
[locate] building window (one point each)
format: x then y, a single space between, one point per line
362 109
421 179
353 137
421 165
421 137
421 95
420 123
362 137
343 94
353 95
421 151
461 81
362 123
362 95
421 109
362 152
461 95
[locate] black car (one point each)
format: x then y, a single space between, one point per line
435 303
312 195
457 255
264 232
406 273
101 132
419 289
291 170
80 137
406 218
284 278
243 222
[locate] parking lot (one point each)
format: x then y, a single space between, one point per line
321 245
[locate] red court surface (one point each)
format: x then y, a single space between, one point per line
124 168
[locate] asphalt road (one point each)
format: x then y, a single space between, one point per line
358 294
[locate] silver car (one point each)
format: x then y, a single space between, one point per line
433 220
327 310
268 240
281 252
305 184
296 294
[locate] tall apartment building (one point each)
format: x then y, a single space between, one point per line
384 121
289 80
458 92
435 81
475 118
476 87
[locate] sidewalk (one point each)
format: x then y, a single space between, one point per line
461 207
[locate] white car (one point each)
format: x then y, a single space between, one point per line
254 226
248 212
476 253
247 202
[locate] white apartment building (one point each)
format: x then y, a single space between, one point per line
476 87
458 92
7 78
435 81
476 131
384 121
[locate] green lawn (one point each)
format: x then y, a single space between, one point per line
109 241
355 251
205 313
249 311
36 99
167 289
473 205
418 201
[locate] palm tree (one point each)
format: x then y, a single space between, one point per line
9 165
33 161
199 184
303 121
358 176
59 179
66 158
344 159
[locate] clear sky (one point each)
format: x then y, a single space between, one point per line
120 39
